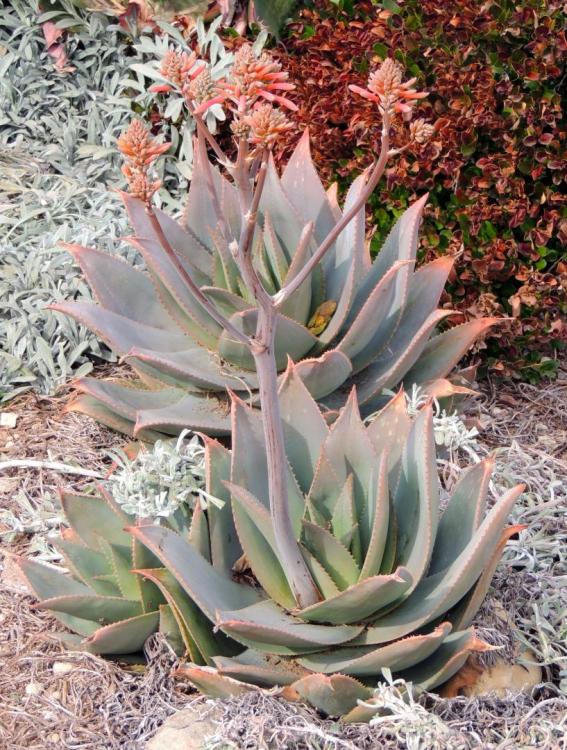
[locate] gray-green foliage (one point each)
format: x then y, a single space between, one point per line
57 133
160 479
57 155
38 347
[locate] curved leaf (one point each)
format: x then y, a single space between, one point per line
208 588
360 600
266 627
443 352
365 661
304 428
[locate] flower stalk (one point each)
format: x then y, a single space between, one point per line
257 84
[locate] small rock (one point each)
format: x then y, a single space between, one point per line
34 688
8 419
63 667
188 729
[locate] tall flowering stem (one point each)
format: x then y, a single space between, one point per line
256 85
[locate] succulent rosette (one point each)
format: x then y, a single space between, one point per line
399 583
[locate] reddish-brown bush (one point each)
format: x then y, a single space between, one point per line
496 165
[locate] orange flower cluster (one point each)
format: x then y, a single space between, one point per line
385 87
140 150
265 124
192 77
255 78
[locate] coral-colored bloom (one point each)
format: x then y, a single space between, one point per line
385 87
421 131
254 78
140 150
266 124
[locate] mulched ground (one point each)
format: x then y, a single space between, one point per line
50 698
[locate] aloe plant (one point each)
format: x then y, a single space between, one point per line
351 569
397 586
109 608
344 318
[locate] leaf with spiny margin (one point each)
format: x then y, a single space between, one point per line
390 550
365 661
305 190
425 289
462 516
370 331
83 562
121 333
344 300
200 215
224 264
332 555
208 588
225 547
187 310
323 375
192 253
444 662
126 398
124 637
210 682
261 264
259 669
379 519
199 533
325 489
120 559
292 339
256 534
334 695
170 630
201 641
322 579
194 368
349 449
463 613
416 500
443 351
230 206
343 521
88 514
101 609
416 300
350 254
92 407
121 288
400 244
285 219
360 600
437 594
249 467
197 412
304 428
405 348
48 582
278 261
142 557
226 302
266 627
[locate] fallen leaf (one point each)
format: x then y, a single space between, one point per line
501 678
